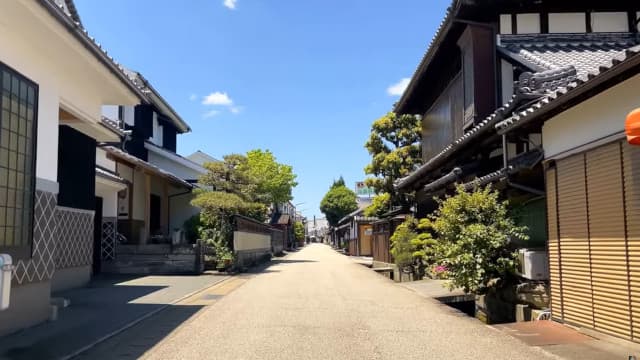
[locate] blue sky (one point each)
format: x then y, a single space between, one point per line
304 79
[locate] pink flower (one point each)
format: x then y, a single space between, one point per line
441 268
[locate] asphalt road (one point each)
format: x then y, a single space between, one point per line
315 304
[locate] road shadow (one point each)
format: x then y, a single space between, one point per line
290 261
105 306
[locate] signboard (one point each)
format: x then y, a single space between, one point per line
362 190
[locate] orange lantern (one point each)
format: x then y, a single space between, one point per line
632 127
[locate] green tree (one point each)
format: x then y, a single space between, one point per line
338 202
395 149
412 245
298 230
240 185
274 181
379 205
474 233
231 176
338 183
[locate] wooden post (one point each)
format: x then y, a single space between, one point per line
147 209
164 212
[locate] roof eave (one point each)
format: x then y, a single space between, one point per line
563 97
76 29
441 34
165 107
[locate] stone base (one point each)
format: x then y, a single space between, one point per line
29 306
65 279
492 309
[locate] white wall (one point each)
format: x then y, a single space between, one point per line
528 23
567 23
609 22
596 118
111 111
505 24
102 160
109 197
37 46
180 210
250 241
129 115
506 81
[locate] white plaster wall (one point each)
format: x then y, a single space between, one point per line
596 118
609 22
250 241
173 167
129 115
109 197
507 81
110 111
505 24
567 23
102 160
528 23
181 210
36 45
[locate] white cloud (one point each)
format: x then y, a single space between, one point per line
193 97
210 114
235 109
398 88
217 98
230 4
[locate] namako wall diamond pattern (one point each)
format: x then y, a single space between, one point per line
109 238
75 238
41 265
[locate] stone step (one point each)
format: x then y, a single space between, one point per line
154 257
143 249
171 267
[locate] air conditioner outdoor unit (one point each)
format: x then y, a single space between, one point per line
534 264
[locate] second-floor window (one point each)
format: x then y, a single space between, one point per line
157 131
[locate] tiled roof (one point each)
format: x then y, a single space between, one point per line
482 128
431 49
585 52
595 63
119 154
157 99
522 161
113 125
110 175
71 20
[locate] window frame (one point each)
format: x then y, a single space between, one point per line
24 251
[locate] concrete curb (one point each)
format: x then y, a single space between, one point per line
138 320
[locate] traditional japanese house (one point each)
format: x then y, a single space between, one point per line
550 140
358 230
591 176
54 79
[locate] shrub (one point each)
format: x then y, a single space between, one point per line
474 239
412 245
192 228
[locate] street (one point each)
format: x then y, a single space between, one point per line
314 304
